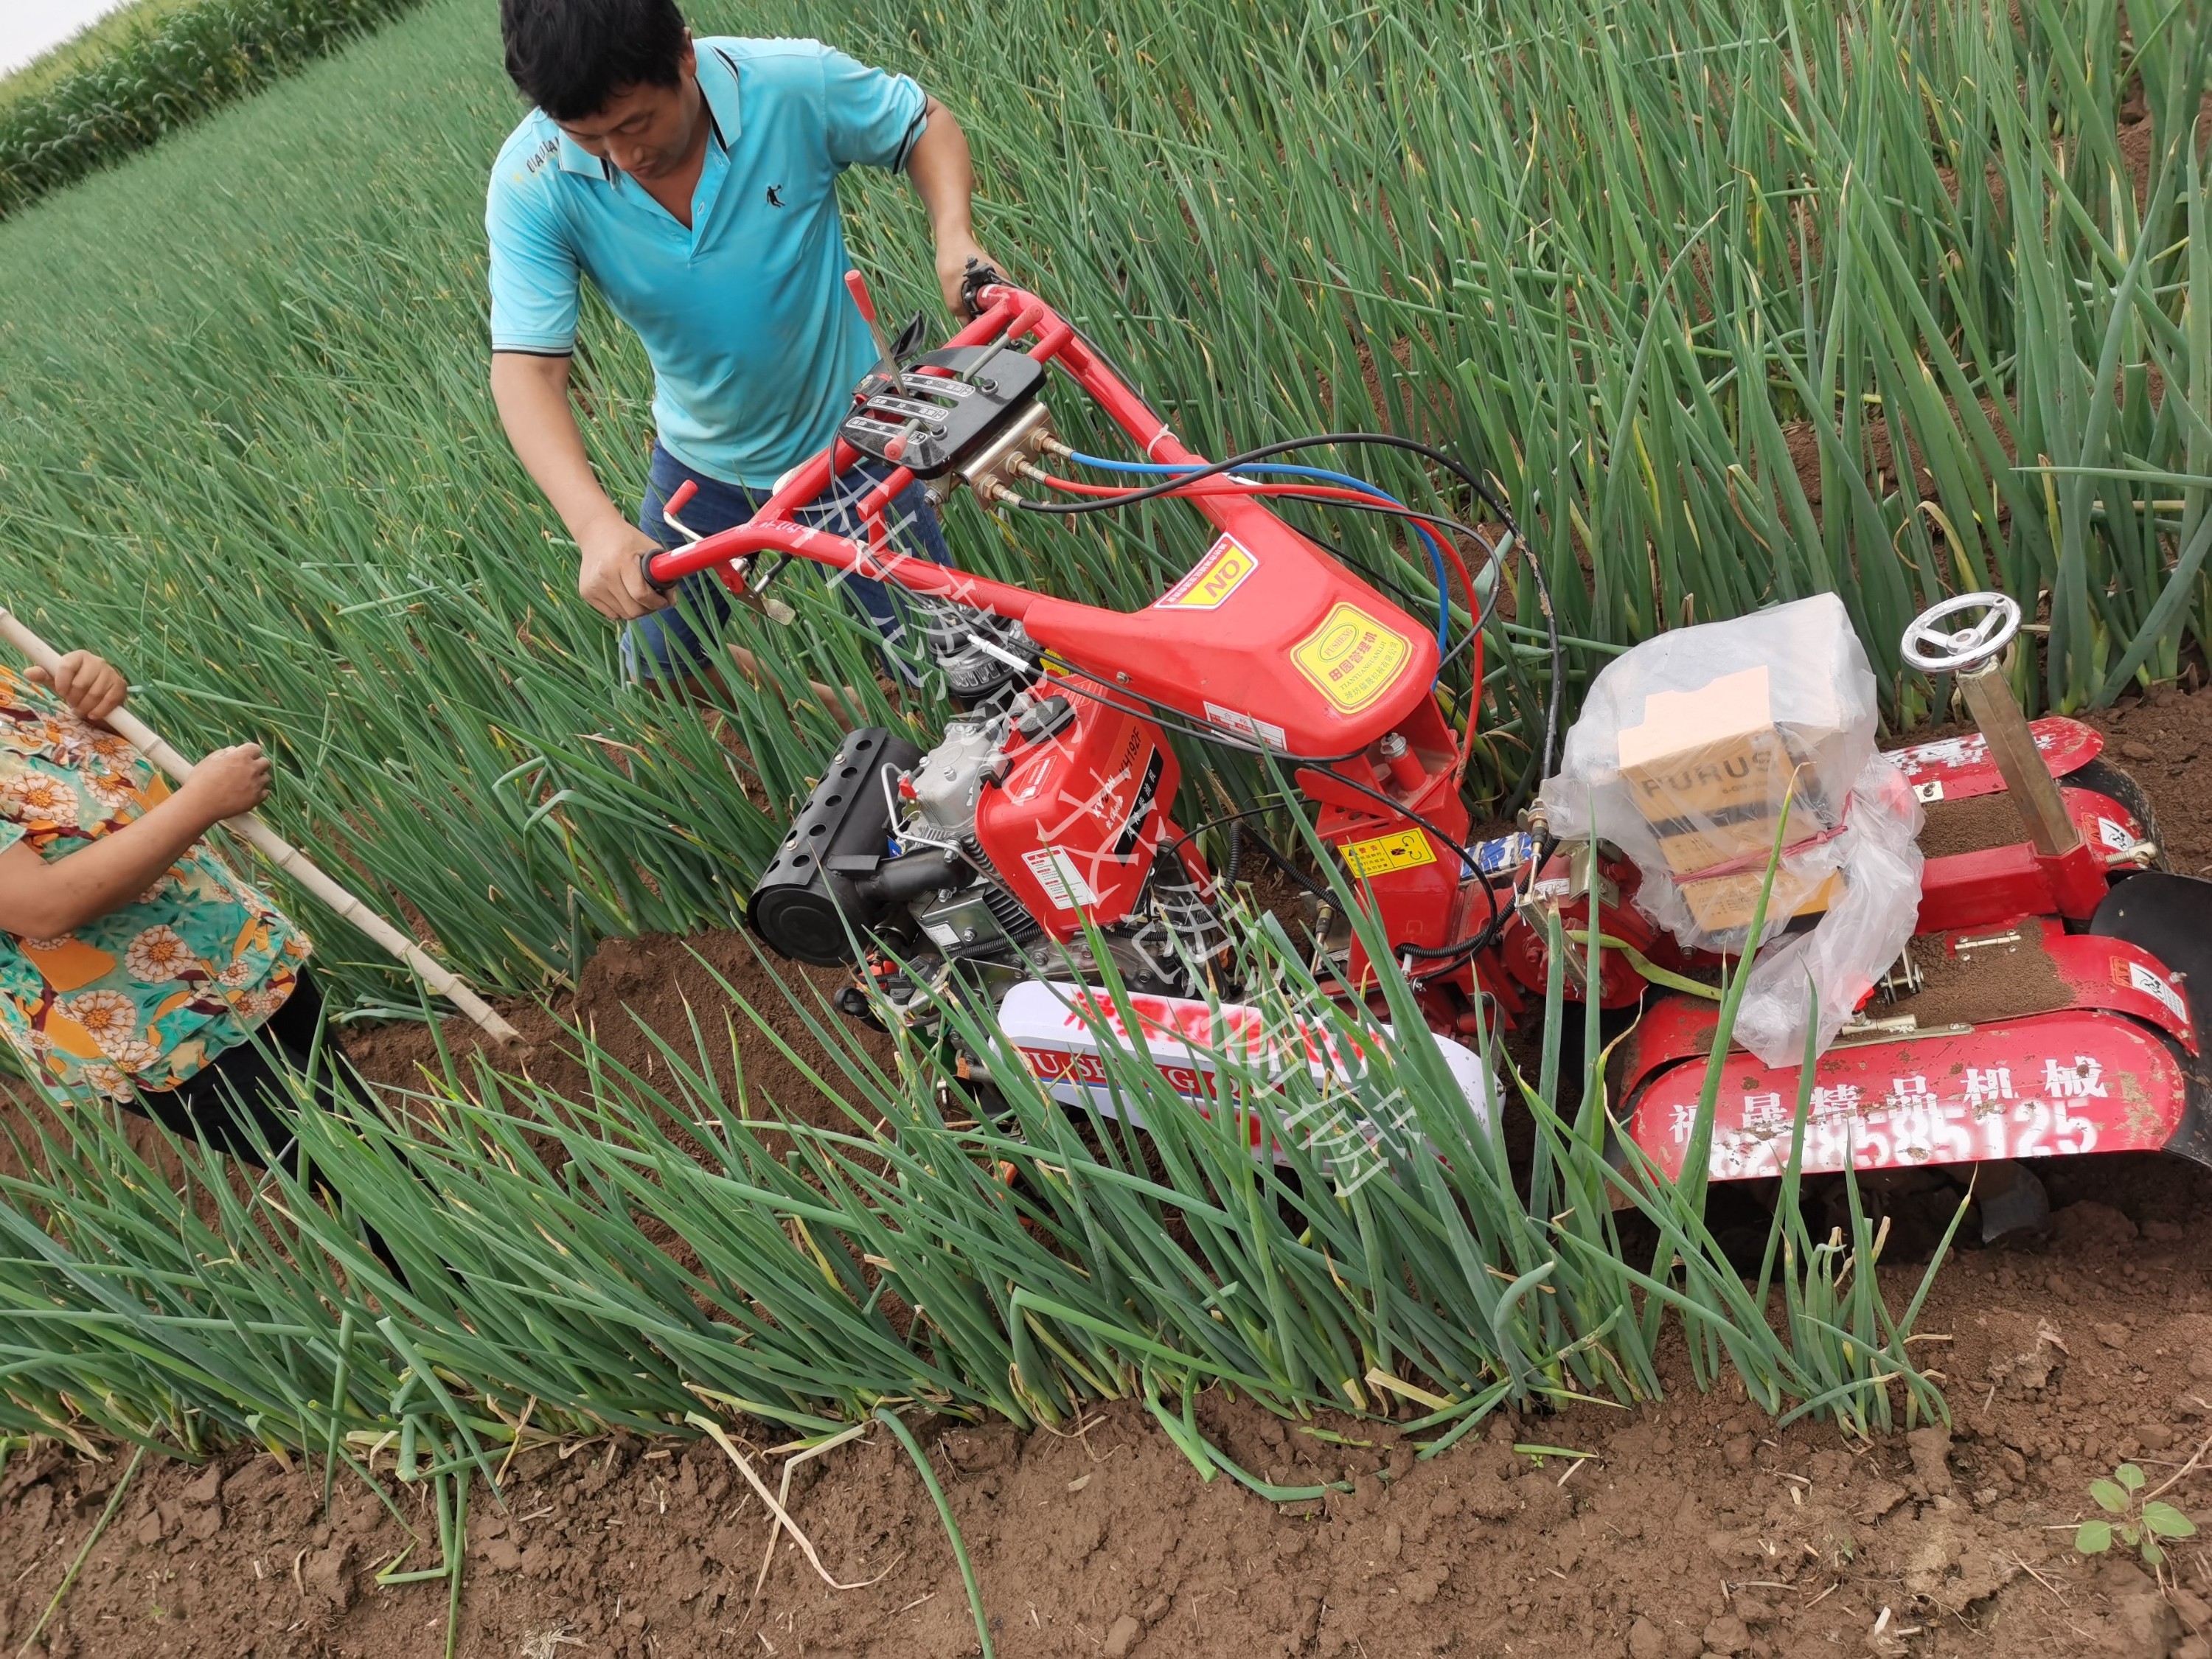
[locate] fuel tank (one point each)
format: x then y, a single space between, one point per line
1072 825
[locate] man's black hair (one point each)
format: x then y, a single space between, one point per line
570 56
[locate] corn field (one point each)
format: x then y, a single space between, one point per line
1740 303
160 77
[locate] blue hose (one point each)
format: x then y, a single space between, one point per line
1428 536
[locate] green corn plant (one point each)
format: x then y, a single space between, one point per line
159 75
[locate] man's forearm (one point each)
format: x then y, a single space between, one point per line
944 173
532 395
945 178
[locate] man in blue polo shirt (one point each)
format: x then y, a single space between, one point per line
694 183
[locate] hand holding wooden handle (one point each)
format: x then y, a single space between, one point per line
290 859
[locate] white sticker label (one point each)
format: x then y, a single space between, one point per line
946 935
1944 751
1930 791
1245 726
2152 983
2115 835
1062 882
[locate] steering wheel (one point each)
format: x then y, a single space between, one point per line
1938 650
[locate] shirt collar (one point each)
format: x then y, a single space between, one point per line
718 79
718 83
574 158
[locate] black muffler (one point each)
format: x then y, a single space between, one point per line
834 880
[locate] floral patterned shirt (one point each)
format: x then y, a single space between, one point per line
145 996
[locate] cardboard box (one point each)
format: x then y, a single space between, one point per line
1721 904
1709 771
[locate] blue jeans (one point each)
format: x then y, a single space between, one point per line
668 645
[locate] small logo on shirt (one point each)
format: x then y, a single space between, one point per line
775 195
545 153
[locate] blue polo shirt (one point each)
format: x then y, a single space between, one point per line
755 344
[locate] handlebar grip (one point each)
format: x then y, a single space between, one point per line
978 277
645 569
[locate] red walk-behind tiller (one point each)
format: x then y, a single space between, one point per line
2036 1010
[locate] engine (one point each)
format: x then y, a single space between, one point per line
1043 804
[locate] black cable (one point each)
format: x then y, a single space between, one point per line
1233 819
1483 608
1169 486
1481 617
1410 599
1282 861
1174 720
1274 853
1477 943
1398 591
1465 854
1557 652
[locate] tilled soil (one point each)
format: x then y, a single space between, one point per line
1692 1526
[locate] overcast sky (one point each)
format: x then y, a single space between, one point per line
29 28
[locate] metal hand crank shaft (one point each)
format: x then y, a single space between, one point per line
2013 751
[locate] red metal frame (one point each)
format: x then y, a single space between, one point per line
1216 662
2104 1072
1272 641
1958 769
1288 650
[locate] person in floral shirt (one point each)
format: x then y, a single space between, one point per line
134 964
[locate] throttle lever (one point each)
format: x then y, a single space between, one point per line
675 504
976 277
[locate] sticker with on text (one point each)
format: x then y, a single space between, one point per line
1247 726
2152 983
1229 565
1062 882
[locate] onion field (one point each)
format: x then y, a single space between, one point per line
1738 302
1682 282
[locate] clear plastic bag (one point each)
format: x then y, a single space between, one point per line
1688 748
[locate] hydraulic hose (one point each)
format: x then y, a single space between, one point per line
1428 536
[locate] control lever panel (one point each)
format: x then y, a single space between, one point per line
942 408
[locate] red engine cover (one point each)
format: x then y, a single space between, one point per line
1073 827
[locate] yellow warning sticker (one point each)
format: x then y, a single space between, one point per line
1351 658
1404 851
1229 563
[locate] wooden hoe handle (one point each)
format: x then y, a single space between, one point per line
250 827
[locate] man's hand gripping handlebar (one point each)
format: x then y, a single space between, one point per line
674 505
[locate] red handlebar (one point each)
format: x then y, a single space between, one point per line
1009 310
